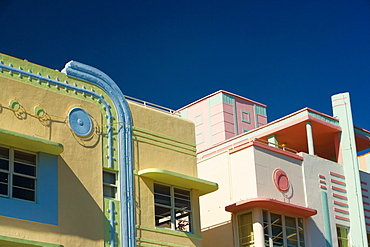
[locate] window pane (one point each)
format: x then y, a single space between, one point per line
109 191
109 178
245 225
27 183
25 169
4 164
182 221
162 194
291 231
23 194
3 189
182 199
4 178
4 153
24 157
162 216
266 228
342 233
277 230
4 158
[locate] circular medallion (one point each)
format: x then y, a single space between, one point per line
80 122
281 180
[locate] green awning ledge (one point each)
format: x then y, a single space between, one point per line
181 180
30 143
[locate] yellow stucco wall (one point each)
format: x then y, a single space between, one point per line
160 140
80 199
164 141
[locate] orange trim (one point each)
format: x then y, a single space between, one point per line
337 182
341 211
337 175
271 204
341 218
267 147
338 189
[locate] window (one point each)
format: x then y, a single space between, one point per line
17 174
280 230
342 233
109 184
245 230
172 208
246 117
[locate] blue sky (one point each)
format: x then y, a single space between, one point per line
287 54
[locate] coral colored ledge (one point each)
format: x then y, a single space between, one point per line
271 204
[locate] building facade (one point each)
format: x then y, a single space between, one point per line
295 181
82 166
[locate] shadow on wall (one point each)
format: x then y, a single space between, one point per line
218 236
316 236
79 213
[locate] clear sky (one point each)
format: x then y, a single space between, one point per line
287 54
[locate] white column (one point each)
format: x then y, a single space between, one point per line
259 237
311 149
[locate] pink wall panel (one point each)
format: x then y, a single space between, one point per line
244 105
262 120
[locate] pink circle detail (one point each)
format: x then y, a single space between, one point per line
281 180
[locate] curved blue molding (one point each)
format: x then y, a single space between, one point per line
97 77
93 75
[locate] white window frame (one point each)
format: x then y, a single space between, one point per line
173 208
283 227
11 173
110 185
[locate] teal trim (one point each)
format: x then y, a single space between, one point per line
202 141
229 99
273 141
200 115
184 113
260 110
255 115
326 216
215 99
249 116
236 127
323 118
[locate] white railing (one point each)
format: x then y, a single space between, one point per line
154 106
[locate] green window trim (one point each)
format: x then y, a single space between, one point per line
17 242
169 232
29 143
180 180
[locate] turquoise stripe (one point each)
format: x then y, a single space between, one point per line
325 212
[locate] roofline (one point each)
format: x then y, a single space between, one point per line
268 124
217 92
